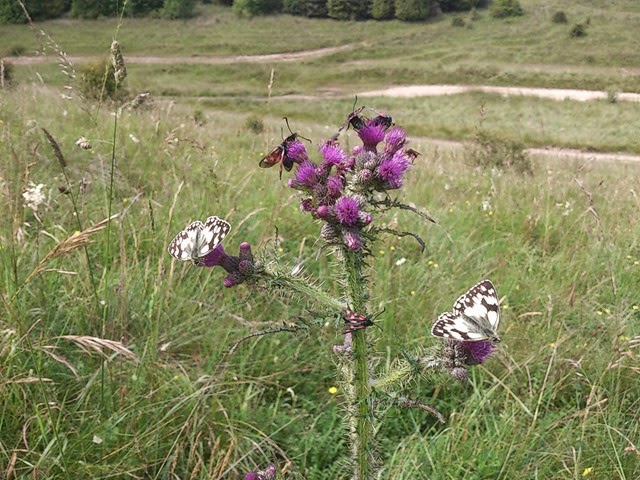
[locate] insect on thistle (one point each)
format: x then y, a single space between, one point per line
354 119
381 119
356 321
199 239
280 154
475 316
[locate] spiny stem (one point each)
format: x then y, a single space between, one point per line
289 283
359 403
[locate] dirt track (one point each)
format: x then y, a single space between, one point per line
398 91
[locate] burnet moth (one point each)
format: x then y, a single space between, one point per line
356 321
280 154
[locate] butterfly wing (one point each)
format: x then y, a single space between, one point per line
455 326
183 244
475 316
481 304
211 234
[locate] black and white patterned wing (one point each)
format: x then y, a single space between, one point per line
480 303
212 233
183 244
475 316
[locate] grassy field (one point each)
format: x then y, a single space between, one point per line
559 399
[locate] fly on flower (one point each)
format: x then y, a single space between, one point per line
199 239
280 154
412 154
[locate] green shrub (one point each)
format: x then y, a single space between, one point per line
612 95
250 8
457 22
178 9
305 8
461 5
96 81
578 30
140 8
382 9
348 9
95 8
492 151
412 10
11 12
506 8
559 17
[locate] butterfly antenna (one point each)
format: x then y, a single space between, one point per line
355 102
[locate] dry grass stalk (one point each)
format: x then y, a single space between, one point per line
97 345
69 244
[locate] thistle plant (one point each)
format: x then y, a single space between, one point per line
346 193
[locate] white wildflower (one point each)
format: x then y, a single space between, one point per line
134 139
400 261
33 196
486 206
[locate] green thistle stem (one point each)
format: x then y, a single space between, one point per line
277 278
359 405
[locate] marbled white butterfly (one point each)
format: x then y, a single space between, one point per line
475 316
198 239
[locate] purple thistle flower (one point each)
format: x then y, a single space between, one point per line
323 211
306 205
391 170
371 135
334 185
218 257
352 238
297 152
395 139
305 176
478 351
233 279
332 154
268 473
365 218
347 211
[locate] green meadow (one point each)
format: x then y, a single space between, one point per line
114 358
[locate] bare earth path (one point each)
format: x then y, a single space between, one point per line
398 91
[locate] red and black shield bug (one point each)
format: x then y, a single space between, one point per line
280 153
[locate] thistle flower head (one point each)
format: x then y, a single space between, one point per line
478 352
305 177
332 154
352 238
297 151
395 139
392 170
347 211
334 185
371 135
